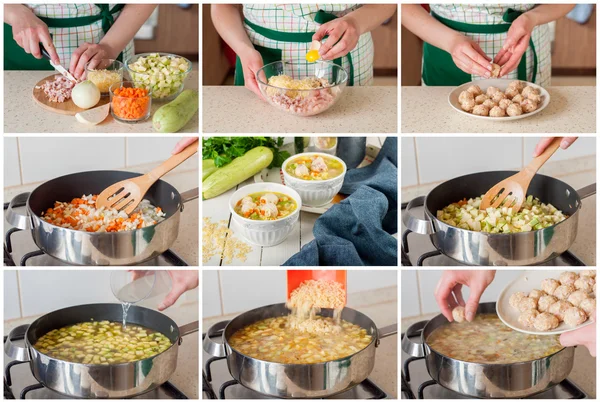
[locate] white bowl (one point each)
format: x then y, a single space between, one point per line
265 233
501 84
314 193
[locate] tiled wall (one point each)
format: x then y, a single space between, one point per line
433 159
418 287
36 159
30 293
227 292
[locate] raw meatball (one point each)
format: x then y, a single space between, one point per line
468 105
527 303
479 99
514 110
490 104
459 314
491 91
559 308
527 318
475 90
589 306
535 97
497 111
577 297
518 99
495 70
588 272
568 278
518 85
563 291
529 90
575 316
545 302
465 95
516 298
498 96
545 322
511 92
549 285
536 293
585 283
528 106
481 110
504 103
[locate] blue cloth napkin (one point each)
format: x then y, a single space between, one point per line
358 231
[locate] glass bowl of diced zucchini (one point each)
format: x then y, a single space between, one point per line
161 73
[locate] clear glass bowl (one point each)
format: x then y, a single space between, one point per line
163 87
121 105
104 80
303 102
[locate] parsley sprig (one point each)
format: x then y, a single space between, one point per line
225 149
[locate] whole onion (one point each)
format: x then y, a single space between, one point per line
85 94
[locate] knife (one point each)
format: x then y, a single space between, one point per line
57 67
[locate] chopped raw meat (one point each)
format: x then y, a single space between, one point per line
58 90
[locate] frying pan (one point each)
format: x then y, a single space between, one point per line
84 248
80 380
480 380
480 248
282 380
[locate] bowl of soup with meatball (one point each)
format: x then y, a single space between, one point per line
316 176
264 214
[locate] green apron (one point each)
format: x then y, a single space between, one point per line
15 58
439 68
272 55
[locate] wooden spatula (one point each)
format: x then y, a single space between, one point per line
296 277
516 185
127 194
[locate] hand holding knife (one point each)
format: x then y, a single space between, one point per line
57 67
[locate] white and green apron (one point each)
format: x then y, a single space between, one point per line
284 32
488 26
70 26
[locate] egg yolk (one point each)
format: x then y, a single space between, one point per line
312 56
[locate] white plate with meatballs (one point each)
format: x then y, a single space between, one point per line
499 99
549 302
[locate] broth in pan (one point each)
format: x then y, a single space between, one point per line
102 342
487 340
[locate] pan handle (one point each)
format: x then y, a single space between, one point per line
13 351
189 196
14 218
413 223
587 191
211 347
386 331
410 347
187 329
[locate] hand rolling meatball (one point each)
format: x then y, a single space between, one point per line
458 313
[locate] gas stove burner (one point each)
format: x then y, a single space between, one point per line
228 388
427 388
428 255
19 249
22 374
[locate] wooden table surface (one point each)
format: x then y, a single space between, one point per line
217 210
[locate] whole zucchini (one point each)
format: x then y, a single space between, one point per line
173 116
237 171
208 168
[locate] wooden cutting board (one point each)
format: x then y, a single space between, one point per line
67 107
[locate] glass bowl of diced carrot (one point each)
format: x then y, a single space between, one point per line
130 101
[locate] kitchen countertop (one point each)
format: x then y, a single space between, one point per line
381 306
584 369
426 110
231 109
23 115
185 177
185 376
578 173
